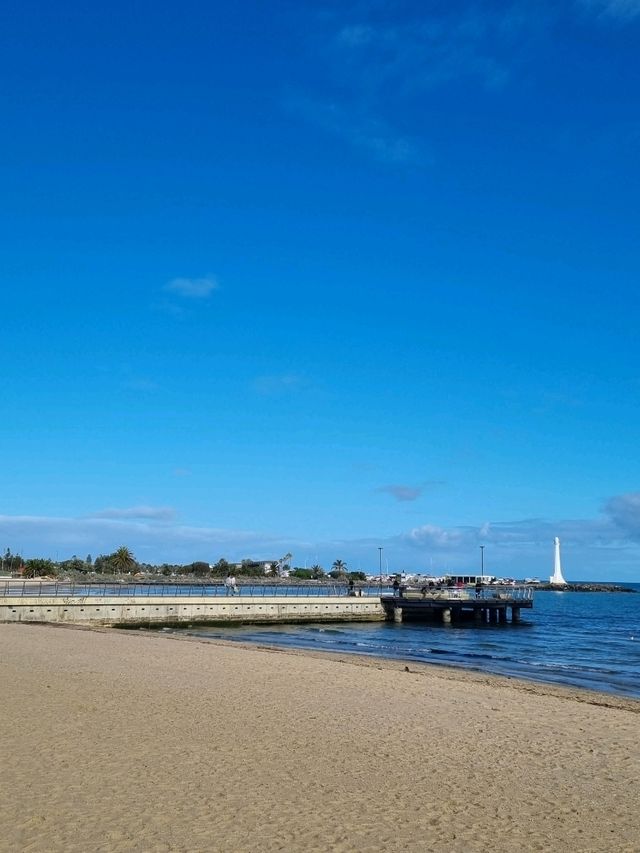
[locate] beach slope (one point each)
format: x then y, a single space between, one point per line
123 741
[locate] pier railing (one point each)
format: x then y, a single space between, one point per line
491 592
71 589
66 589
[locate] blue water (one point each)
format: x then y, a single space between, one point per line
589 640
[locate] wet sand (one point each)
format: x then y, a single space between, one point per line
136 741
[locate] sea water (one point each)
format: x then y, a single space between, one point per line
582 639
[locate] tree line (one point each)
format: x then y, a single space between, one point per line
122 561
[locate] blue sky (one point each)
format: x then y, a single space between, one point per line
323 278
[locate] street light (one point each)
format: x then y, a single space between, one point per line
380 555
482 562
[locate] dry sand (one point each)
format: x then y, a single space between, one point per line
118 741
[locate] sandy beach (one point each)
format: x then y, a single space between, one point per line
123 741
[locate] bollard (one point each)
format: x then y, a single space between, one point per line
397 614
446 616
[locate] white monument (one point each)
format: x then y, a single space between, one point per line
557 579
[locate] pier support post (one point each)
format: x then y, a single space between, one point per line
515 614
397 614
446 616
493 616
477 615
502 615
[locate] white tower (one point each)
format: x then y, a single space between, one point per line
557 578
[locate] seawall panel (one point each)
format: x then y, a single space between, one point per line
139 610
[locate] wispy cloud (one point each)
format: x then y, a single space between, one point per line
624 512
428 50
158 513
516 535
621 10
279 384
405 492
604 547
152 538
402 493
381 61
349 122
192 288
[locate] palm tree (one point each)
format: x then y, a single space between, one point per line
339 567
122 560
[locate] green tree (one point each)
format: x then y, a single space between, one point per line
317 572
338 569
74 565
221 568
38 568
122 560
11 562
302 574
357 576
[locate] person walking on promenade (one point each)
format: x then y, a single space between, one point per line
229 584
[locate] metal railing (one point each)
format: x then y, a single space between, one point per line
492 592
67 589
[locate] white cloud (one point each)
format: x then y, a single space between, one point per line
433 536
603 548
517 536
158 513
622 10
193 288
356 36
425 51
378 62
151 539
359 129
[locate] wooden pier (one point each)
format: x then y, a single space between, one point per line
490 604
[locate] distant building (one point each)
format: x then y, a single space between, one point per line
258 566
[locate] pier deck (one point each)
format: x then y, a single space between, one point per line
489 604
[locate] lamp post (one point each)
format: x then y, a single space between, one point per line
380 556
482 562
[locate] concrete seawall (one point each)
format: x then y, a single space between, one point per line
173 610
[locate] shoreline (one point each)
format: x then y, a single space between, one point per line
435 670
435 663
120 741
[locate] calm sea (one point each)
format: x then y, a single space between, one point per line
589 640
